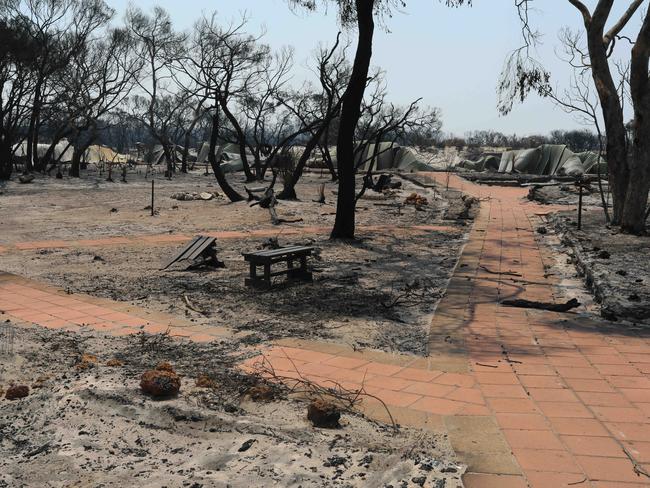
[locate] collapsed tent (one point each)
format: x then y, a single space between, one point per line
157 155
593 162
548 159
486 163
230 159
387 156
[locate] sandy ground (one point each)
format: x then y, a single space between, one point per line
355 284
93 427
91 207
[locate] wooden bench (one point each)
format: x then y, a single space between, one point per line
272 256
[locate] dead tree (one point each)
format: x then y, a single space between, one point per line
97 82
628 160
220 63
60 30
158 46
264 120
580 99
227 63
361 14
16 88
317 110
383 124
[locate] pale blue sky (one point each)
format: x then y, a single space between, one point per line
450 57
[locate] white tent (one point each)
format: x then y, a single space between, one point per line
103 154
62 151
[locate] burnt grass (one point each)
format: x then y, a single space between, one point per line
378 291
353 283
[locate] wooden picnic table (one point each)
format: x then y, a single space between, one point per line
269 257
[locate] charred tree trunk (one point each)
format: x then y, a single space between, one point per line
617 153
80 149
215 162
289 187
186 143
75 165
636 197
32 130
241 137
169 157
345 209
6 166
288 190
186 152
327 159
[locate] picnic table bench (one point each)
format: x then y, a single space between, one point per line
269 257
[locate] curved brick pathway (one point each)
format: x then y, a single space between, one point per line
528 398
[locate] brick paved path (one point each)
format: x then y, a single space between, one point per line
528 398
29 301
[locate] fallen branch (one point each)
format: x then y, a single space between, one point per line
347 400
38 450
638 469
507 273
486 365
192 307
275 220
251 196
551 307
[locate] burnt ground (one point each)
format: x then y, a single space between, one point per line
567 193
93 426
352 298
615 266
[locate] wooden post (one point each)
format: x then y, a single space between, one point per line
152 198
580 206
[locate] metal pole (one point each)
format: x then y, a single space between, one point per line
152 198
580 207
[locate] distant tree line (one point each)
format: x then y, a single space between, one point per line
579 140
